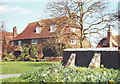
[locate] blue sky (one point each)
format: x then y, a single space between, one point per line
21 12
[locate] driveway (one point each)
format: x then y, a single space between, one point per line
9 75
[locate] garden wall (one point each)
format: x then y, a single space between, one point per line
110 58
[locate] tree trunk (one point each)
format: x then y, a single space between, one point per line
81 23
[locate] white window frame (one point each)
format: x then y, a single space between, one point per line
52 28
12 43
19 43
72 29
38 29
73 41
104 43
34 41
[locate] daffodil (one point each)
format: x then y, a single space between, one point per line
50 70
72 67
56 77
110 81
83 69
102 65
78 69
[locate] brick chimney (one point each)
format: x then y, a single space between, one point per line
109 34
14 32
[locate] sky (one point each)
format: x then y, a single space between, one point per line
21 12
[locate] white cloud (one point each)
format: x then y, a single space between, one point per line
115 32
25 12
5 9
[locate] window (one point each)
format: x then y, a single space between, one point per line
19 43
72 41
34 41
12 43
105 43
52 28
72 29
38 29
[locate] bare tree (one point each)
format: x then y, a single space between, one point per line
90 16
117 15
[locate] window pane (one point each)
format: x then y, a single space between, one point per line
34 41
72 29
19 43
72 41
52 28
38 30
12 43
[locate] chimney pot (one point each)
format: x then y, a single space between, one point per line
14 32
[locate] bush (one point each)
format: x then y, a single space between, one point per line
52 49
74 74
9 57
33 51
28 53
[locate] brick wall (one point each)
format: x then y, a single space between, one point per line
54 59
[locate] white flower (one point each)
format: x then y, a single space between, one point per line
56 70
44 75
48 71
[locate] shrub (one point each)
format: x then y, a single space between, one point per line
9 57
28 53
52 49
33 51
73 74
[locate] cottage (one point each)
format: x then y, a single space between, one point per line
109 41
6 37
47 30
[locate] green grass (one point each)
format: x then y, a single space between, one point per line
13 79
21 67
55 72
58 73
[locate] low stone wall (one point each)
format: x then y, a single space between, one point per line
54 59
110 58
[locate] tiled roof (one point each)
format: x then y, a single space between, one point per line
29 32
6 36
116 40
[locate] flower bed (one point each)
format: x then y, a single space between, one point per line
59 73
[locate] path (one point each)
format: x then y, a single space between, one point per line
9 75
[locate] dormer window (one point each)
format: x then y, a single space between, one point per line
72 29
38 29
105 43
52 28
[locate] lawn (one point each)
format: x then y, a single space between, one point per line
55 72
21 67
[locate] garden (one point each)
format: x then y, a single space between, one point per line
54 72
